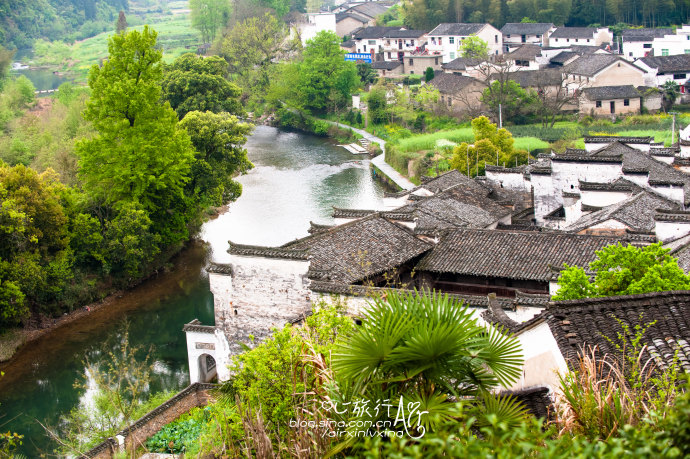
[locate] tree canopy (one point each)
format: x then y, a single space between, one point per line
474 47
623 270
196 83
208 16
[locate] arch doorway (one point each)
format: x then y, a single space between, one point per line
207 368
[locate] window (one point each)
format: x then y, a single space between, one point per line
440 40
598 104
411 62
686 51
538 35
576 40
411 42
495 38
626 102
451 40
664 52
450 102
679 76
364 48
567 40
411 72
647 45
630 54
436 61
588 40
372 42
508 36
452 55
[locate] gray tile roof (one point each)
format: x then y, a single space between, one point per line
373 32
461 63
451 83
357 250
589 322
574 32
403 33
668 64
456 29
611 92
370 9
593 64
510 254
342 16
636 212
633 35
385 65
537 78
525 52
563 57
522 28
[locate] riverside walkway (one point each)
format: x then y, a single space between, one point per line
380 161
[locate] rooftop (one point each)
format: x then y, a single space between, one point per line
594 63
526 28
574 32
462 63
452 83
668 64
611 92
457 29
527 255
525 52
632 35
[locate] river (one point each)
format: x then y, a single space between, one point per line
296 179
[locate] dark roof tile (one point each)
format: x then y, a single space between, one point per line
526 28
457 29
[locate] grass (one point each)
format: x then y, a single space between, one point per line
10 341
464 134
175 36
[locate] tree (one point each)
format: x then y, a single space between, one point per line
208 16
424 348
252 46
624 270
473 47
6 56
140 154
218 140
427 14
506 98
121 25
376 105
429 74
552 95
669 92
198 83
367 75
325 78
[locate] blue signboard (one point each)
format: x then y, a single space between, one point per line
358 57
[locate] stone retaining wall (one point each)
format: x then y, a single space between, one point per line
194 395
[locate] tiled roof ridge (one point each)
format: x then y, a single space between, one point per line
625 301
219 268
587 158
596 186
670 215
631 139
341 212
268 252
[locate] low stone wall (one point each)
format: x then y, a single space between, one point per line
194 395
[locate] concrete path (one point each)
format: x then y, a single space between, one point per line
380 161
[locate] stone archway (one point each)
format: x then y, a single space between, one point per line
207 368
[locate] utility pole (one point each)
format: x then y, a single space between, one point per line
673 127
467 154
500 116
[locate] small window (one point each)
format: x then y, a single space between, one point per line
567 40
364 47
436 61
411 61
626 102
495 38
538 35
372 42
664 52
679 76
389 55
647 45
588 40
576 40
451 40
598 104
630 54
411 72
440 40
508 36
452 55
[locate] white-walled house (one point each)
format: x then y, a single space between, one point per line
661 69
317 22
672 44
520 33
564 37
602 70
637 43
447 37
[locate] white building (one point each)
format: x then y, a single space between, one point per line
670 45
317 22
446 38
519 33
666 68
637 43
564 37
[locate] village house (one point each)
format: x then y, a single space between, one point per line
447 37
672 44
467 66
610 100
602 70
637 43
458 93
564 37
400 43
525 57
388 69
347 23
661 69
519 33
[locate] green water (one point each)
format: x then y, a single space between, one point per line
297 179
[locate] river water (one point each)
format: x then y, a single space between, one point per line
296 179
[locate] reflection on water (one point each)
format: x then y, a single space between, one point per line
297 178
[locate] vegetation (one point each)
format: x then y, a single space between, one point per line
208 16
624 270
473 47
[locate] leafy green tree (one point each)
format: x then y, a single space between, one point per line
669 93
490 145
325 78
429 74
218 140
208 16
367 75
140 154
623 270
377 105
425 348
6 56
509 97
251 47
197 83
473 47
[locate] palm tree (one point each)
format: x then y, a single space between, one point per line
429 349
670 92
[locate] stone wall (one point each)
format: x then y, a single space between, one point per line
136 434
